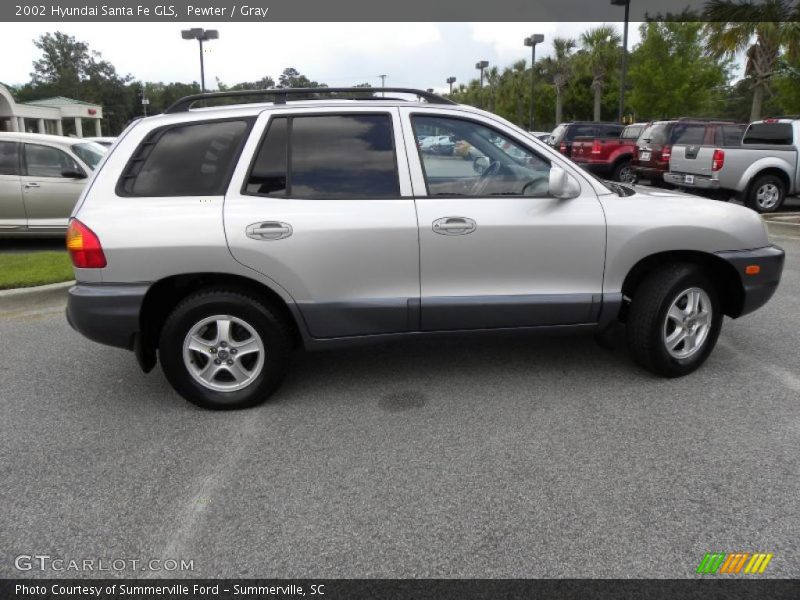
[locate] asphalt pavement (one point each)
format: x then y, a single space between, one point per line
536 457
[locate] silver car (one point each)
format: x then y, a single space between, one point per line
217 240
41 179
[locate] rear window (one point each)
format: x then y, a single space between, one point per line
779 134
9 158
656 133
632 132
328 156
688 134
185 160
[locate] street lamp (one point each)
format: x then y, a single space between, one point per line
627 5
451 81
201 35
536 38
481 65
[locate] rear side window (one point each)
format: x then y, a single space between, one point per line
9 158
185 160
692 135
779 134
610 130
327 157
729 135
583 130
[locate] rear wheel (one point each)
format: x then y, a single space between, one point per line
224 350
674 320
623 172
766 194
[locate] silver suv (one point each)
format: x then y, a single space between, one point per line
220 239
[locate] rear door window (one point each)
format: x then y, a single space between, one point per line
688 134
195 159
779 134
327 157
9 158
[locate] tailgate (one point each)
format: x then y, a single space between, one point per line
582 149
694 160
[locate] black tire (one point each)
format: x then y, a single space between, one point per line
624 166
273 330
764 182
647 319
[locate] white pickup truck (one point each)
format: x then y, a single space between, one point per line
762 169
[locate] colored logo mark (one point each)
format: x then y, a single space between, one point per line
733 562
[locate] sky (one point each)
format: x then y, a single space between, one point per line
419 55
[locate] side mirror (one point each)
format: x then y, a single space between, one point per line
562 185
72 173
480 164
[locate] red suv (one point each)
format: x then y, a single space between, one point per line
564 134
654 146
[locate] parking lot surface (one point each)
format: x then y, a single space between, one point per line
525 457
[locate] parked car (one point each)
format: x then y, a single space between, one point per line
563 135
654 146
41 178
608 157
438 144
103 141
762 167
218 240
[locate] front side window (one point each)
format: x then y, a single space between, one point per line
327 157
483 162
185 160
9 158
46 161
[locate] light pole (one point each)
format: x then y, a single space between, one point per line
201 35
481 65
383 84
627 5
536 38
451 81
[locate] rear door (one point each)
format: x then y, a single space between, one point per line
324 211
48 191
496 250
12 209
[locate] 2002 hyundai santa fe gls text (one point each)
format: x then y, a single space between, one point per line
219 239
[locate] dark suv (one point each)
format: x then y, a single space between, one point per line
564 134
654 146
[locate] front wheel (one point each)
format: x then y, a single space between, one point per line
674 320
766 194
224 350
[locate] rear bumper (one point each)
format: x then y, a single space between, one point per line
701 182
107 313
656 175
758 288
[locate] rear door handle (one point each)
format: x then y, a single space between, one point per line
268 230
454 226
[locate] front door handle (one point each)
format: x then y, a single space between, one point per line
454 226
268 230
32 184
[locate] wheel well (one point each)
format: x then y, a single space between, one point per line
770 171
623 158
722 274
164 295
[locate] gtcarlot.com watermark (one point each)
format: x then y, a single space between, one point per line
59 564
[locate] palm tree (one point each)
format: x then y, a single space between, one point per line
602 48
559 67
760 30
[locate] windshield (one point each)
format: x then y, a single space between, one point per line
90 153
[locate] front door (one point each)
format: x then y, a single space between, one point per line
12 209
496 249
324 211
52 181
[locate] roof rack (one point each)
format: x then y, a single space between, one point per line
705 120
280 95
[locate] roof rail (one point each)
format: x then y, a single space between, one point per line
280 95
706 120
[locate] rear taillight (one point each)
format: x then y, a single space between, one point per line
718 160
666 152
84 247
596 147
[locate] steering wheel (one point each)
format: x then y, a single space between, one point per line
536 188
482 182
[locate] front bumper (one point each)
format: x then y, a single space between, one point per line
759 287
107 313
700 182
